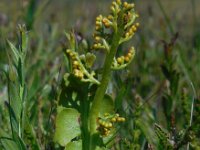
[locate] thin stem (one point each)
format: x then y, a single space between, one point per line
84 126
90 77
182 65
192 110
192 106
95 108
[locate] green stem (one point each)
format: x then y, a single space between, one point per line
95 108
84 120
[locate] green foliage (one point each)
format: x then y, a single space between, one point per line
76 145
93 92
67 125
106 105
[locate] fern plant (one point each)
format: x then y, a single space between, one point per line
85 114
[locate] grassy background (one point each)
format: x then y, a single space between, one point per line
48 19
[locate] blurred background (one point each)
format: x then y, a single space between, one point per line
47 20
80 14
159 19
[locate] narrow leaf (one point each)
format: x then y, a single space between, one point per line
15 52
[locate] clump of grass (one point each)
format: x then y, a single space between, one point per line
73 101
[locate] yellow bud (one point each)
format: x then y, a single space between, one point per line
127 34
103 123
110 17
100 121
107 25
110 125
105 20
71 54
113 119
118 119
127 59
130 31
132 51
137 24
95 46
98 45
133 27
118 2
119 60
75 62
99 18
68 51
131 5
97 38
76 72
129 54
112 8
125 4
80 75
114 3
106 125
122 119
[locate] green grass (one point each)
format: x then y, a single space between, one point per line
158 93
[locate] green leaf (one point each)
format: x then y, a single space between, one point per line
14 98
69 87
67 125
29 17
163 137
30 135
15 143
24 37
13 119
100 148
6 141
12 74
66 79
165 71
8 144
19 141
120 96
90 58
75 145
15 53
107 105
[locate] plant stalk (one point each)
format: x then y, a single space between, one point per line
99 95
